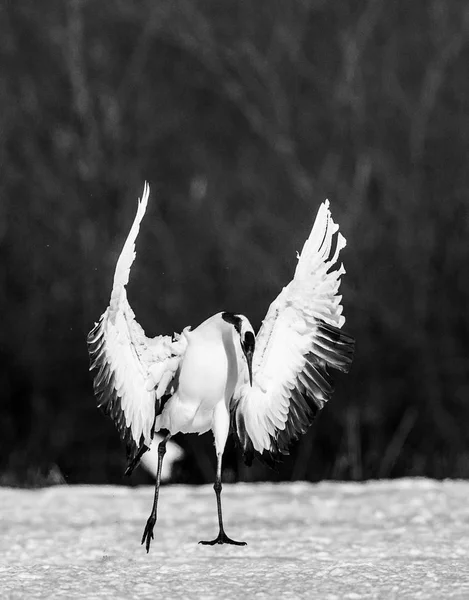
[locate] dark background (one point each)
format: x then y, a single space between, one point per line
243 116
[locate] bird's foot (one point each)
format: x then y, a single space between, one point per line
148 533
222 538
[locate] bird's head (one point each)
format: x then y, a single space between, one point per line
246 336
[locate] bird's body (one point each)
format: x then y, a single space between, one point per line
207 379
269 387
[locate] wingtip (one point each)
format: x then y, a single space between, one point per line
341 241
143 201
128 253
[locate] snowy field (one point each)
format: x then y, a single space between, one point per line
394 539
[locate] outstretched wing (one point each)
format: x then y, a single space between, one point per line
133 372
299 339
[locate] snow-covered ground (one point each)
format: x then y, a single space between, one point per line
391 539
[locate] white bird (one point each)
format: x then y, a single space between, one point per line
269 386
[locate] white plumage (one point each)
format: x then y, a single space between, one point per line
134 371
296 341
270 387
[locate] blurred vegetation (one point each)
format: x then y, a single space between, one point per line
244 116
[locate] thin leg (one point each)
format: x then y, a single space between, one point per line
148 533
220 430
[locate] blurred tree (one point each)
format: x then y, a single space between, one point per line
243 117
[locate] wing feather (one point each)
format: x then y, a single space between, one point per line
132 372
299 340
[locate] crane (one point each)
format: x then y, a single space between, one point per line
267 387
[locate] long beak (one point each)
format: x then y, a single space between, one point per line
248 354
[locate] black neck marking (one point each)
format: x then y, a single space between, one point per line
233 319
249 341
